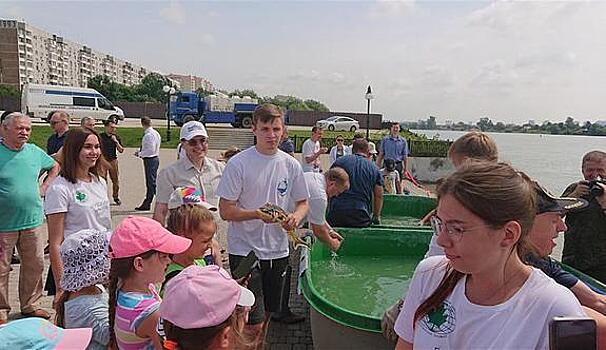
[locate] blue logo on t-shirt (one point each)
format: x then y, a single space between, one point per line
282 187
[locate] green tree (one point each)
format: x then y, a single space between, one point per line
316 106
7 90
485 124
151 86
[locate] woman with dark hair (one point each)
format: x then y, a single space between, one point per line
480 294
77 199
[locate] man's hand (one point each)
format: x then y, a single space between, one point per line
114 138
376 220
323 150
291 222
334 244
581 189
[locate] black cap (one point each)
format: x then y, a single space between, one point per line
548 203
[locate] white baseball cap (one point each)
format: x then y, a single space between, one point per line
192 129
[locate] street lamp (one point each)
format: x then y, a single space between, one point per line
369 96
169 90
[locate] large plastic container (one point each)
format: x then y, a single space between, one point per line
403 211
349 293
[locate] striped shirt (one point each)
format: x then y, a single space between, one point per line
132 309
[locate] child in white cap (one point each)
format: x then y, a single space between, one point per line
204 308
84 302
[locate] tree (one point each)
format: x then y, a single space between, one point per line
485 124
7 90
316 106
151 86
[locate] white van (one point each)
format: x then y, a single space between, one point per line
39 100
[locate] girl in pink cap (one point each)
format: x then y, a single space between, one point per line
140 250
204 308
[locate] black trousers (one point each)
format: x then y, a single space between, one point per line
151 172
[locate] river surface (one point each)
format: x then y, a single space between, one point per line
553 160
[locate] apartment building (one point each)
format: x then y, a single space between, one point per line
191 82
29 54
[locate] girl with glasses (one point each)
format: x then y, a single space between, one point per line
480 294
339 149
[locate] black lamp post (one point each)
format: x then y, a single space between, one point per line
169 90
369 96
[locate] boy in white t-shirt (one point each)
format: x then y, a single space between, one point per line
253 177
391 178
311 151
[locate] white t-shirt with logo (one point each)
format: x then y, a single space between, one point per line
85 203
522 322
308 149
253 179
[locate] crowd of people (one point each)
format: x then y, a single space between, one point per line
159 283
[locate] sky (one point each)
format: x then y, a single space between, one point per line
509 61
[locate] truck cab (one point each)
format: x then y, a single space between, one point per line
184 105
217 108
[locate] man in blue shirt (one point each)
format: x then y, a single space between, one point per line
394 147
353 207
59 121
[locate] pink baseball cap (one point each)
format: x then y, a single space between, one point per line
200 297
138 234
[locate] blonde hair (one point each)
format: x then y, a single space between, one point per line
186 219
475 145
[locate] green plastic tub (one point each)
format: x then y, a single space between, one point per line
403 211
349 293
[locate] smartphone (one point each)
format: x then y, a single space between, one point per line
572 333
246 265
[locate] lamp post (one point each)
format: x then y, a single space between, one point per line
168 90
369 96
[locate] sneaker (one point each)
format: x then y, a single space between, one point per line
117 201
143 207
288 317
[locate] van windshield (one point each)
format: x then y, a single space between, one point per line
105 103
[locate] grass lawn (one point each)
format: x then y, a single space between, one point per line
131 137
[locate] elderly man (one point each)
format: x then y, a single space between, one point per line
21 214
59 122
394 147
585 241
149 152
361 204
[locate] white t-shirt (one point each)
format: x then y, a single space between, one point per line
318 200
85 203
309 148
253 179
390 178
519 323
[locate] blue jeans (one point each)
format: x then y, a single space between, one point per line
151 172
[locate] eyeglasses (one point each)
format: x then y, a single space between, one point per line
454 231
194 142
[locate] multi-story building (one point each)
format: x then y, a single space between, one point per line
29 54
191 82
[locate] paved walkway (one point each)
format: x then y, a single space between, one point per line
132 191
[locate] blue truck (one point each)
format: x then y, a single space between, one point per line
212 109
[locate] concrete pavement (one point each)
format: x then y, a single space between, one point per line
132 192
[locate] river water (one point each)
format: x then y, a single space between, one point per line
553 160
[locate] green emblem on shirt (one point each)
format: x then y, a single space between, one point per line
440 321
80 196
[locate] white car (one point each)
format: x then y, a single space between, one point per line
338 123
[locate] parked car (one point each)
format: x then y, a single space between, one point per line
338 123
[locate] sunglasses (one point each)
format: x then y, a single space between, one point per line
340 140
194 142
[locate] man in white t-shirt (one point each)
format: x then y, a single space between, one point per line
253 177
311 151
